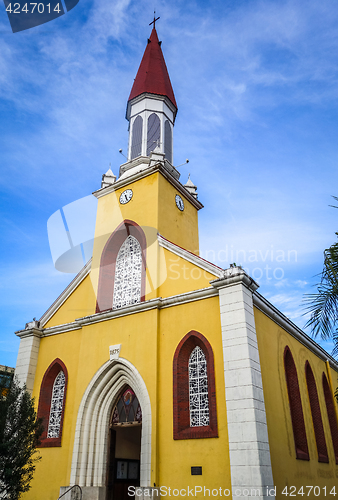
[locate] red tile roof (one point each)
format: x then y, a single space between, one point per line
152 76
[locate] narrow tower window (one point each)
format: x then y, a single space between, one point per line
128 273
296 409
153 137
198 389
316 414
168 141
136 141
331 416
56 406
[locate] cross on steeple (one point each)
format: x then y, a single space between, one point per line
154 21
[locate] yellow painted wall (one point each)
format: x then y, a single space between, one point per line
81 302
178 456
84 352
287 470
182 276
149 340
179 227
166 275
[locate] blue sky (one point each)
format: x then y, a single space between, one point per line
256 84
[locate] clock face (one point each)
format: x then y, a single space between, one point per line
179 202
126 196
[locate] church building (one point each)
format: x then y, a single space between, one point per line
159 374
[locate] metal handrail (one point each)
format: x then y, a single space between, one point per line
74 486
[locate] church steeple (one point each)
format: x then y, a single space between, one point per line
152 76
152 108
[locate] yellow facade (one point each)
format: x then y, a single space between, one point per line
149 339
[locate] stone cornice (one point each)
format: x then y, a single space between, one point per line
155 97
232 276
118 313
273 313
190 257
66 293
175 300
29 332
157 303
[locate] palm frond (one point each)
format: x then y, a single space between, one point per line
323 305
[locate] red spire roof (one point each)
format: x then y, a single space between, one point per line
152 76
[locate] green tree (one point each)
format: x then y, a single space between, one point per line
323 304
20 431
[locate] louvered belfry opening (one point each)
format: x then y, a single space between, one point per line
168 141
154 133
136 143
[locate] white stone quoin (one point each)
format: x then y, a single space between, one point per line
250 462
28 354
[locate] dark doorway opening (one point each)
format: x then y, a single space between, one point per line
124 450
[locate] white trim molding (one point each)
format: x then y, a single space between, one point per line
250 462
190 257
89 461
144 172
273 313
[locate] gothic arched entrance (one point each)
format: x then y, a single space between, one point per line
123 466
91 446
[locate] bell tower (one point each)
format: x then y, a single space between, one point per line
151 108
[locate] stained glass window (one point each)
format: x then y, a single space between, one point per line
198 389
127 409
56 406
128 274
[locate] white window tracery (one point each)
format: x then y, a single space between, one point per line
198 389
128 274
56 406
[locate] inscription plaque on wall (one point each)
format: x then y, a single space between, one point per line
196 471
114 351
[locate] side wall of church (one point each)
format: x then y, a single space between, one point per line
287 469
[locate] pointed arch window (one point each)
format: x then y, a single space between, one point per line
127 408
331 414
296 409
52 402
154 133
136 141
122 274
194 395
128 274
198 389
316 414
168 141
